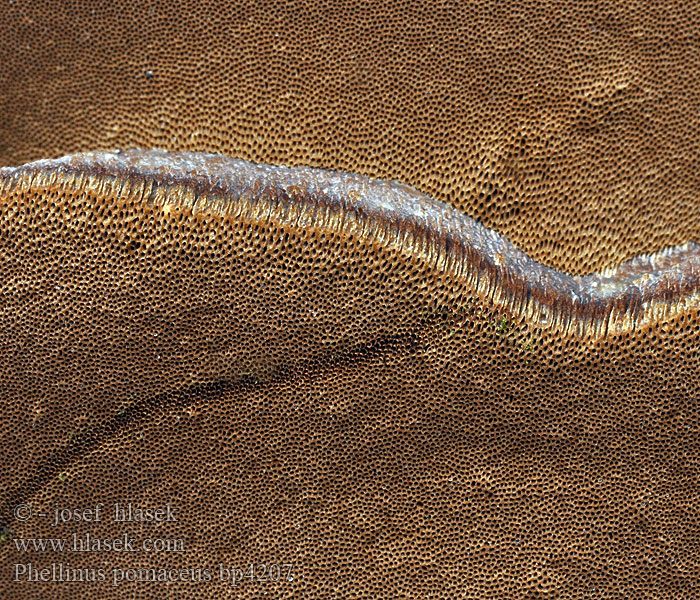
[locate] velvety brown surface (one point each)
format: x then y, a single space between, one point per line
317 370
341 375
570 127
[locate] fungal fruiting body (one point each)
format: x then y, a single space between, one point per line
339 373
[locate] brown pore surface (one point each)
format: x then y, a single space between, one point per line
572 128
320 370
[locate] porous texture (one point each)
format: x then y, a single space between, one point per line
572 128
337 392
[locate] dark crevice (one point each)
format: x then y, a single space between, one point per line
133 416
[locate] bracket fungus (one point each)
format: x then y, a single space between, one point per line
229 379
336 374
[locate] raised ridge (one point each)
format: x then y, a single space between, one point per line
639 291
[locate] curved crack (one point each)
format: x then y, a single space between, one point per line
133 416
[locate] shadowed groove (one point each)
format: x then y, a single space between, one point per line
140 411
